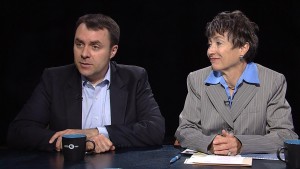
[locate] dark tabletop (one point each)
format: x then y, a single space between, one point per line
133 158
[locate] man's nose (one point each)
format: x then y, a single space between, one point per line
85 53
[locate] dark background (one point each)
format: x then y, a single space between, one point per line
165 37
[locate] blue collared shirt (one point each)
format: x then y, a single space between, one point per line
96 104
250 75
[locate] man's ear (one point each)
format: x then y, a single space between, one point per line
113 52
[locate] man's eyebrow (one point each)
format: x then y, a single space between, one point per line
78 40
96 42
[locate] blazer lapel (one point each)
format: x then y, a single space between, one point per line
118 96
73 99
242 98
217 96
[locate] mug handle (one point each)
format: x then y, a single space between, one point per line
93 149
278 153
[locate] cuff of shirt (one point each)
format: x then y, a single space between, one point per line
103 130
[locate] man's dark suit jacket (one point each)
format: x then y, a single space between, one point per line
56 104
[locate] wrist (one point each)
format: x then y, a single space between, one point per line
91 132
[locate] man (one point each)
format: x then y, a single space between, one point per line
112 104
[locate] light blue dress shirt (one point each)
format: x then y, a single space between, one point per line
96 104
250 75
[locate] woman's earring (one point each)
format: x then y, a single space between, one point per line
241 57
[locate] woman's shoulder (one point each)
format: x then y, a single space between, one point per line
203 72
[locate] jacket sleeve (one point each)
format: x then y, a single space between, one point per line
279 122
29 129
189 132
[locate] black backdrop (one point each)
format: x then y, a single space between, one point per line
165 37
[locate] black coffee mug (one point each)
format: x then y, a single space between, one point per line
74 146
291 150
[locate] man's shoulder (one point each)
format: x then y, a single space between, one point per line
64 68
127 73
61 72
127 69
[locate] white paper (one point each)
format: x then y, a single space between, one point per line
188 151
217 160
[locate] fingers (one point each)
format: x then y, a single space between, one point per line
225 144
228 152
221 149
58 145
229 148
112 148
90 145
58 137
55 136
224 152
103 144
227 134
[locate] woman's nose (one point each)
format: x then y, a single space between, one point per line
210 50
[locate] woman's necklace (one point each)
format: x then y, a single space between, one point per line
231 87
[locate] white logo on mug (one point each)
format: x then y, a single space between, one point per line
70 146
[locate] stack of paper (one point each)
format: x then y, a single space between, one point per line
264 156
204 159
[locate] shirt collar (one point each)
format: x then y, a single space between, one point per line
106 78
250 75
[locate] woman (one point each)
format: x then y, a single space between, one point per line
235 105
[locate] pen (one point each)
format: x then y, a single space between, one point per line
177 157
